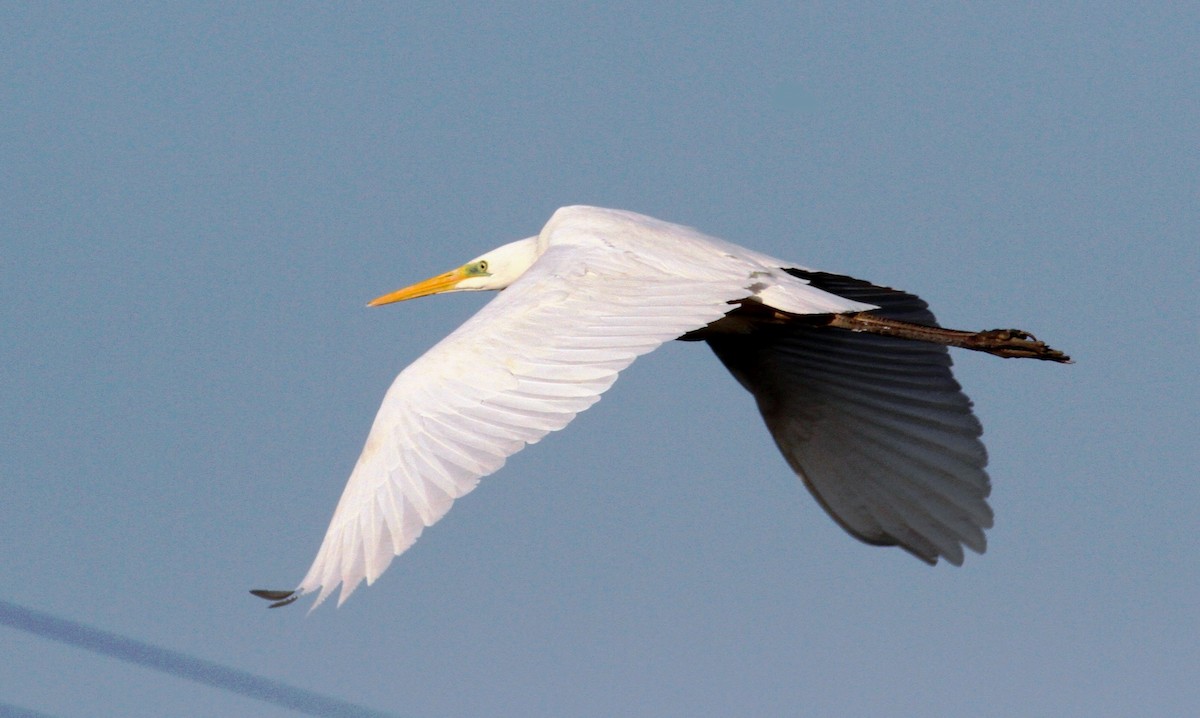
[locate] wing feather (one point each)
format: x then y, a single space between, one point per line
876 426
525 365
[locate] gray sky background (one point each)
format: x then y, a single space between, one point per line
198 200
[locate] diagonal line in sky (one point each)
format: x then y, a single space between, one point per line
7 710
179 664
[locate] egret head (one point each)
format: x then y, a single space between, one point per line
495 270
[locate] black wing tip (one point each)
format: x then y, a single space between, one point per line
280 598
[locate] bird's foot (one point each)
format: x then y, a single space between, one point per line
1015 344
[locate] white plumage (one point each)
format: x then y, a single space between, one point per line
875 425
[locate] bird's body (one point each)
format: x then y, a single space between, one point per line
874 424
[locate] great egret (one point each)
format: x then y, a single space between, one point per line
852 379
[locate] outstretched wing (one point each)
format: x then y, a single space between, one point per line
876 426
537 355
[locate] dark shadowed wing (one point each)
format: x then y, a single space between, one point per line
876 426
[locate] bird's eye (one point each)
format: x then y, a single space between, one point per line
477 269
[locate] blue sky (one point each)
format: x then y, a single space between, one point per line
199 199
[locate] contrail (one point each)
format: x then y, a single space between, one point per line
177 664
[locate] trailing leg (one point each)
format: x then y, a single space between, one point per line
1007 343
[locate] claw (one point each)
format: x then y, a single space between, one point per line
1015 343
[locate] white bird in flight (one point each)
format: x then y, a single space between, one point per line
852 379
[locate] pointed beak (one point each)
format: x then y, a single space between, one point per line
433 285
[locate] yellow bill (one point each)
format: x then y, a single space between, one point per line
433 285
